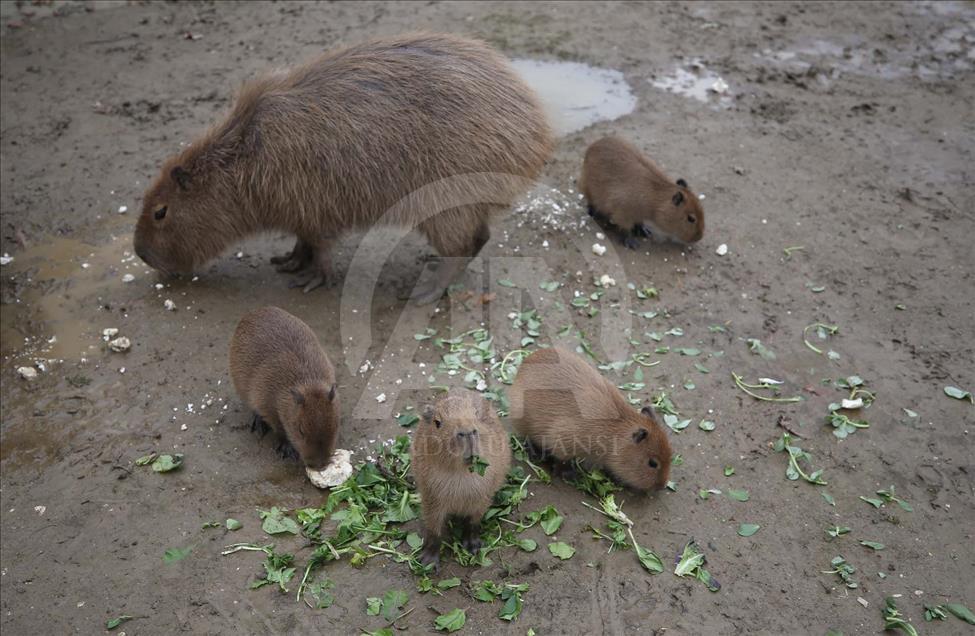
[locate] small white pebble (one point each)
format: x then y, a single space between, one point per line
28 373
122 209
169 305
158 285
381 398
121 370
85 266
606 281
109 333
598 249
183 427
6 259
128 278
544 243
40 509
600 236
120 345
239 255
722 249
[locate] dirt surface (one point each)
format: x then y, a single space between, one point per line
847 130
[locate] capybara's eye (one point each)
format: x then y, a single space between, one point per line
160 214
691 218
438 423
653 463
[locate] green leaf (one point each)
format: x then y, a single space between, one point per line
909 412
561 550
689 351
729 471
648 559
873 544
446 584
738 495
756 346
407 419
834 632
385 631
115 622
876 503
393 601
320 592
172 555
747 529
145 460
413 540
233 524
828 497
373 605
691 563
837 531
166 463
451 621
962 612
893 618
706 425
485 591
276 521
551 520
700 367
528 545
550 286
958 394
477 465
504 282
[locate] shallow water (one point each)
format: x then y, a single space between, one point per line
577 95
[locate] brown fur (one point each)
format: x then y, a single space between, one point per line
332 145
281 372
456 427
567 409
624 185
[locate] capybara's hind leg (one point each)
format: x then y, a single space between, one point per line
455 257
259 425
471 535
322 275
295 260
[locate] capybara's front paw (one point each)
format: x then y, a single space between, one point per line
431 556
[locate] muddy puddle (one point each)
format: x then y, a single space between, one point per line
577 95
53 291
696 82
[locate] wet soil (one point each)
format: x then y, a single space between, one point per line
845 129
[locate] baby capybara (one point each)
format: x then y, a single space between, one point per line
625 187
567 410
453 435
426 131
281 372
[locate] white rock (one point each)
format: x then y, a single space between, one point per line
6 259
28 373
852 404
606 281
381 398
109 333
120 345
169 305
600 236
240 255
862 601
719 86
337 471
128 278
122 209
158 285
544 243
722 249
598 249
40 509
365 367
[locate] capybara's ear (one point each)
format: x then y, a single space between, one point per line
678 198
649 412
299 398
331 394
639 435
181 177
682 183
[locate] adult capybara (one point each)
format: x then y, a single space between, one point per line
333 145
625 187
567 410
281 372
460 432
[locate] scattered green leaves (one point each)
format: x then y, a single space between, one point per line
844 570
690 562
893 619
873 544
706 425
837 531
796 455
959 394
233 524
561 550
755 346
478 465
115 622
172 555
738 495
823 331
166 463
747 529
277 521
320 592
451 621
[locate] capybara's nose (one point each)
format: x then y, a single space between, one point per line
143 254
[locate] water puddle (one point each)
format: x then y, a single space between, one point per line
577 95
696 82
52 296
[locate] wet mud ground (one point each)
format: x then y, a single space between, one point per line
846 129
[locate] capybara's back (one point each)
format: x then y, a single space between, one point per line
334 144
